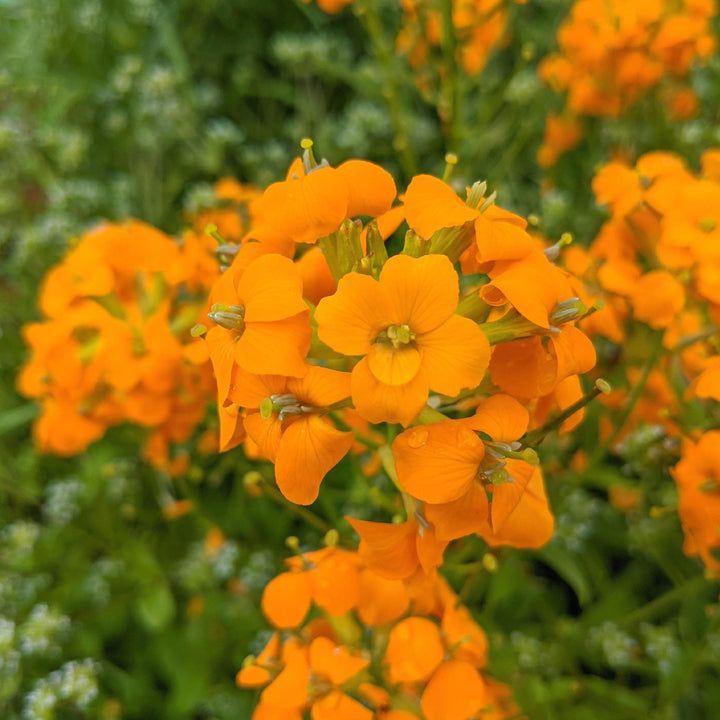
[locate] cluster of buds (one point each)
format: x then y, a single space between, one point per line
612 52
115 345
350 643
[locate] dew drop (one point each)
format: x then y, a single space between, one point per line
418 438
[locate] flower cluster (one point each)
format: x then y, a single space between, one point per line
115 344
317 332
656 262
479 26
613 51
373 648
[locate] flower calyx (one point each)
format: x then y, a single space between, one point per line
230 318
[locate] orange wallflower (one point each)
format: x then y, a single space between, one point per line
405 327
284 417
698 480
533 367
431 205
262 321
398 551
313 201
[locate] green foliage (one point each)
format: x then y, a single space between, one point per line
131 107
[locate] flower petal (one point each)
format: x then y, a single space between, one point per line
351 319
454 355
271 289
393 366
371 188
277 347
379 402
438 463
308 449
286 599
423 292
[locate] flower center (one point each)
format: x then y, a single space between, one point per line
284 405
396 335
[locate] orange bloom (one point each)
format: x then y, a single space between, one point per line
397 551
455 472
262 321
533 367
284 419
698 480
431 205
405 327
312 204
415 649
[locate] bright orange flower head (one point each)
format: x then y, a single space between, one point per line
262 321
285 419
698 480
398 551
405 327
313 201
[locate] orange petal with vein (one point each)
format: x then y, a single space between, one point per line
309 448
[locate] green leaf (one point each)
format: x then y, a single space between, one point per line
156 607
569 569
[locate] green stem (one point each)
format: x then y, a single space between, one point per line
310 517
656 353
538 435
449 104
368 15
664 602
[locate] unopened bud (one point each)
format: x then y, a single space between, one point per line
476 194
603 386
489 562
293 543
252 478
567 311
331 538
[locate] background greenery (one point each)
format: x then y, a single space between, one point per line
134 107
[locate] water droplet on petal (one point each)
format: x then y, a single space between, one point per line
418 438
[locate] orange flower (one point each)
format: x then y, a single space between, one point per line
405 327
313 202
532 285
262 321
397 551
698 480
414 651
533 367
431 205
284 418
449 467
